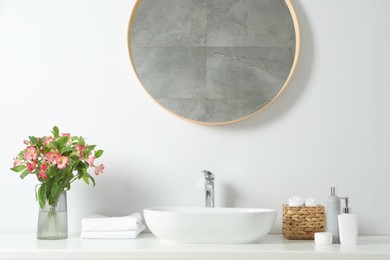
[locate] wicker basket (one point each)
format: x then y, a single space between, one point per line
302 222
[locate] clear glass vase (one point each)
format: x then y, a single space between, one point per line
53 220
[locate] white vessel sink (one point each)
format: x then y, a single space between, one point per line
209 225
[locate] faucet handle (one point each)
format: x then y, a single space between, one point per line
208 175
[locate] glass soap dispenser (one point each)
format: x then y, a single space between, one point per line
348 225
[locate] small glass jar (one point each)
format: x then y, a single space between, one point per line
53 220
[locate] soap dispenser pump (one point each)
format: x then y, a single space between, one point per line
333 209
348 225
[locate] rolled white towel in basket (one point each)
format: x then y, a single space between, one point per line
296 202
100 223
112 234
310 202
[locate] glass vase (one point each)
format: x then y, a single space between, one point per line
53 220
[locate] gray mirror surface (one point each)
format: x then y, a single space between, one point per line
213 61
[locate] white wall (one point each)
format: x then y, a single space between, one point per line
66 63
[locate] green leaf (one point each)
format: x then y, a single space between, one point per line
86 179
55 145
51 171
19 168
80 173
66 151
50 200
33 140
24 174
98 153
61 141
58 178
47 149
42 140
54 192
74 158
91 147
81 141
81 166
93 180
20 154
42 195
56 132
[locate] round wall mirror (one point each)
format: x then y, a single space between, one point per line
213 61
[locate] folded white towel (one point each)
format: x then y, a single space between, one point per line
112 235
310 202
296 202
100 223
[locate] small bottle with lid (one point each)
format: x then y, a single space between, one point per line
333 209
348 225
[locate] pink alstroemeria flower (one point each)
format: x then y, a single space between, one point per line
43 167
26 143
51 157
48 140
30 154
17 162
80 150
62 161
99 169
42 174
90 160
31 166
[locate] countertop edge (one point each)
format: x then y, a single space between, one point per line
148 247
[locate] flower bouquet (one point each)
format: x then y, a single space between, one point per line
56 161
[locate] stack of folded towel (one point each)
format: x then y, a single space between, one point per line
99 226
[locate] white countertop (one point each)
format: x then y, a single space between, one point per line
146 246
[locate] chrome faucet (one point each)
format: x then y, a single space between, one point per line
209 188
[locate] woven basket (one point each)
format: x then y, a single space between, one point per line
302 222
